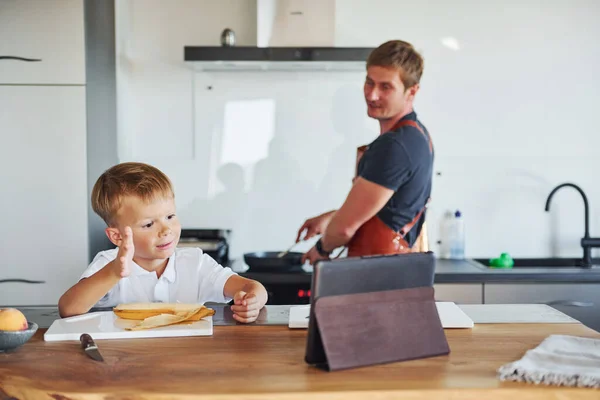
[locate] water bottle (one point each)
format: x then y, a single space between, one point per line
456 236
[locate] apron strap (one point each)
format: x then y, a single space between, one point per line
415 125
406 228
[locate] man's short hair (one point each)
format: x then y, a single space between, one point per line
401 55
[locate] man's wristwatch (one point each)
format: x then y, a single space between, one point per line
320 250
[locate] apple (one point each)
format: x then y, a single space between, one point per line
12 319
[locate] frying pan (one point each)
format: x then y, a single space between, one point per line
269 261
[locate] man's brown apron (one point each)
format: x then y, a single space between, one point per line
374 237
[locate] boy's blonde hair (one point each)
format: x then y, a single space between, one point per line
401 55
128 179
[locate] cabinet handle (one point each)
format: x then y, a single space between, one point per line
20 58
20 280
570 303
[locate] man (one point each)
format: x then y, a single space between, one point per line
384 212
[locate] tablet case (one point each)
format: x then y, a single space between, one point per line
379 327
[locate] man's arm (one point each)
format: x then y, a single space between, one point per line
364 201
315 226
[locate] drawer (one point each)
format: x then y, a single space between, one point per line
460 293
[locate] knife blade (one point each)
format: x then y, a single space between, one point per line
89 346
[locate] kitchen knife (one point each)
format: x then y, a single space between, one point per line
90 347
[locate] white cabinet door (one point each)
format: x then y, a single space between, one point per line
460 293
44 191
49 30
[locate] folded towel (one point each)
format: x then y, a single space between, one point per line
559 360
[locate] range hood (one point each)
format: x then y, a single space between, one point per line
215 58
291 35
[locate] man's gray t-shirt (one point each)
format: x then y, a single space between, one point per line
401 160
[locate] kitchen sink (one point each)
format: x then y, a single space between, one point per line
550 262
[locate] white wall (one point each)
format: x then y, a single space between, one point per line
508 95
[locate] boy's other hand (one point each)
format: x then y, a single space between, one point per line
245 307
125 255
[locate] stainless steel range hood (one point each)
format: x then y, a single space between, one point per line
276 58
291 35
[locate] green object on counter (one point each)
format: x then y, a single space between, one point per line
504 261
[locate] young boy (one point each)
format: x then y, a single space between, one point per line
137 202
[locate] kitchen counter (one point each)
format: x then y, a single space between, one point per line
269 315
451 271
574 291
470 271
279 314
267 362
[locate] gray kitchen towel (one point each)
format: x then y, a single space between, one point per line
559 360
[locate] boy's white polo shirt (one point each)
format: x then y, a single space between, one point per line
191 276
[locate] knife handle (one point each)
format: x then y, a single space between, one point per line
86 341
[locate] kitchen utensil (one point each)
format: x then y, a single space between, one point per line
283 253
270 261
90 347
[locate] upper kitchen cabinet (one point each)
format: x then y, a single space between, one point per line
51 31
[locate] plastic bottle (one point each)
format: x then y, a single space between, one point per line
456 236
444 242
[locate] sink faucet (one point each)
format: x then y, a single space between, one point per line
587 242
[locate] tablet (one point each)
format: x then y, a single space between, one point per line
362 275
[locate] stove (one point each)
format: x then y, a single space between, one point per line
292 287
214 242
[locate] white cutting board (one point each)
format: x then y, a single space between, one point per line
106 325
450 314
516 314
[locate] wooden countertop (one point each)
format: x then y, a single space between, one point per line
268 362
